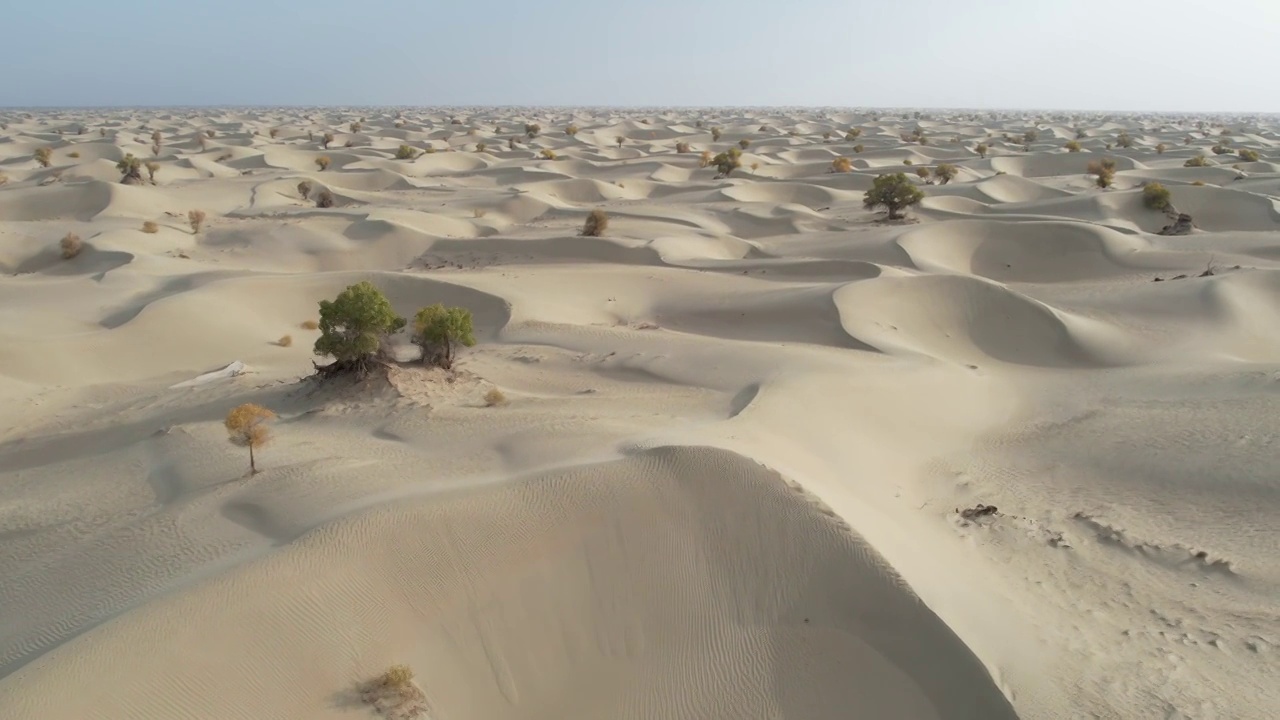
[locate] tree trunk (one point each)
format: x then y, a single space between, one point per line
253 467
893 212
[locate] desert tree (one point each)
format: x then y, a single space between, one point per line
1156 196
744 143
619 140
727 161
406 152
716 134
130 169
152 169
323 162
1248 155
247 427
1072 146
1197 161
982 149
1104 172
841 165
595 224
924 174
894 192
70 246
353 327
326 140
438 329
304 189
532 130
324 199
1123 140
945 173
43 156
355 126
195 218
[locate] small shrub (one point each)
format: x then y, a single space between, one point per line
841 165
1161 148
744 143
1030 136
285 341
71 246
73 154
4 179
858 148
150 227
1104 171
982 150
247 427
355 127
438 329
595 224
274 133
309 325
1220 149
853 134
894 192
494 397
683 147
704 159
547 154
924 174
532 129
480 147
826 135
619 140
210 133
571 131
152 169
727 161
224 157
511 143
406 152
395 695
908 161
1197 161
1155 196
43 156
326 140
304 189
323 162
353 327
945 173
1123 140
195 218
1249 155
1072 146
1198 183
715 134
1081 134
324 199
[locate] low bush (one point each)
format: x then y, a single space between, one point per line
323 162
596 223
70 246
841 165
1155 196
150 228
195 218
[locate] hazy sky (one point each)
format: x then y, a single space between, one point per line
1079 54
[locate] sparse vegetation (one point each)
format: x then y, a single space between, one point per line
744 143
304 189
716 133
894 192
353 327
1197 161
1248 155
247 427
924 174
532 129
982 149
571 131
324 199
908 161
841 165
619 140
326 140
73 154
1221 149
43 156
406 152
683 147
1161 148
547 154
595 224
150 228
858 148
1155 196
323 162
195 218
210 134
945 173
1030 136
494 398
356 126
274 133
70 246
152 169
438 329
1198 183
480 147
727 161
395 695
704 159
853 134
1072 146
1123 140
1104 172
285 341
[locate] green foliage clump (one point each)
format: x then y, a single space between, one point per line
42 156
571 131
1249 155
1123 140
1072 146
406 152
727 161
945 173
1155 196
353 327
437 329
1197 161
744 143
532 129
1104 171
130 169
894 192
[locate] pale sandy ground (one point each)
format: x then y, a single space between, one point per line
738 427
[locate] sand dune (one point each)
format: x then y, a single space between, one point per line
736 437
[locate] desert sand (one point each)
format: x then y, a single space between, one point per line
747 438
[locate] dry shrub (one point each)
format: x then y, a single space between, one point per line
247 427
74 154
477 212
683 147
285 341
494 397
3 179
858 148
908 161
42 156
548 154
596 223
324 199
1161 148
716 133
71 246
1072 146
1104 170
744 143
150 227
323 162
304 189
309 325
274 133
195 218
619 140
1198 183
224 157
1249 155
324 141
210 133
406 152
152 169
704 159
571 130
480 147
1197 161
841 165
395 695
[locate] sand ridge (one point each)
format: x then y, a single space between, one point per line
737 435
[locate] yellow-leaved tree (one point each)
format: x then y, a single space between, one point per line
247 427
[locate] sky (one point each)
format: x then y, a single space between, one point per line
1164 55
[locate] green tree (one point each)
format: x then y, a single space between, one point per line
945 173
130 168
437 329
352 328
894 192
